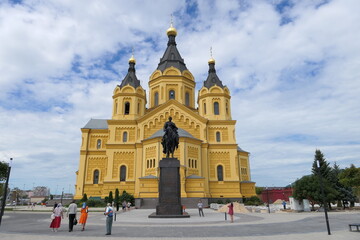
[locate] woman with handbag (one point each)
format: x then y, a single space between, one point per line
56 221
84 215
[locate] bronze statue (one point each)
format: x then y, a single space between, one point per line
170 140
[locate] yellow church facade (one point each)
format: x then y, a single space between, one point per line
124 152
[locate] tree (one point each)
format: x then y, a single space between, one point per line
127 197
117 199
84 198
345 194
307 187
350 178
259 190
3 171
325 172
110 198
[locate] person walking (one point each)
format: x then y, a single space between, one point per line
231 212
55 223
200 206
84 214
109 218
284 204
72 215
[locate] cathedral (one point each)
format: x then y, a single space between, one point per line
124 152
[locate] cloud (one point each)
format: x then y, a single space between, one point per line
292 68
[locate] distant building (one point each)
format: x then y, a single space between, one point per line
272 194
41 191
124 152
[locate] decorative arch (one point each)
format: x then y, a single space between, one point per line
171 71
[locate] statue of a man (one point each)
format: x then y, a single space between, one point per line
170 140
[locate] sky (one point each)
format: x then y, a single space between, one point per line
292 68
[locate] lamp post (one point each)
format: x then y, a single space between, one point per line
5 191
323 196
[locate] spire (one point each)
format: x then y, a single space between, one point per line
212 78
130 78
171 56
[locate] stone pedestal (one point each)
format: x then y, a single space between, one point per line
169 190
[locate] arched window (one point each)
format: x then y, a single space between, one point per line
153 162
187 99
204 108
148 164
122 173
138 110
127 108
192 163
98 144
220 173
156 99
96 177
171 94
227 108
189 163
195 163
116 107
218 136
216 108
125 135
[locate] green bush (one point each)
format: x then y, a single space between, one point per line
227 201
127 197
220 201
254 200
94 203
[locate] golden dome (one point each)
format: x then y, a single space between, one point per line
171 31
132 59
211 61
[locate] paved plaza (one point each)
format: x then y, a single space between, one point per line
135 224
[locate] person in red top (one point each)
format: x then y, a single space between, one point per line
231 212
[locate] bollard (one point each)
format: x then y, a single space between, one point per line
225 216
115 217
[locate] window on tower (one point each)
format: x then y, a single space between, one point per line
96 177
187 99
125 136
127 108
98 144
216 108
156 99
218 137
204 108
220 173
122 173
171 94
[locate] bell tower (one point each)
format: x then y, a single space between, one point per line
214 97
129 98
172 79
